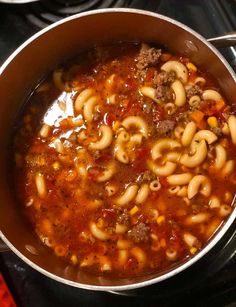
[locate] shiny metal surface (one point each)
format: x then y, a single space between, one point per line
222 41
54 45
3 247
17 1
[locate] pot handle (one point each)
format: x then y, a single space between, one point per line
222 41
3 247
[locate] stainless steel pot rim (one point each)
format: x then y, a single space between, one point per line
17 1
212 242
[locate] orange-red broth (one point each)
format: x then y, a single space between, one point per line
61 219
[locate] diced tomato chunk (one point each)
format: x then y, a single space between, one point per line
192 75
142 152
164 183
109 215
212 107
105 157
133 108
150 74
131 264
94 172
139 166
131 84
109 119
184 59
52 197
157 114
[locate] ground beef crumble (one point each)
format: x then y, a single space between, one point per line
148 57
165 127
164 78
123 217
217 131
146 177
183 117
164 93
139 233
194 90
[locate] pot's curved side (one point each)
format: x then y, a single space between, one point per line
53 45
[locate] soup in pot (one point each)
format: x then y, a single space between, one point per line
124 160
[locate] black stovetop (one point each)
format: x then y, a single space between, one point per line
211 281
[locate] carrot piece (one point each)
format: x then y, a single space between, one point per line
197 116
72 174
150 74
201 124
220 104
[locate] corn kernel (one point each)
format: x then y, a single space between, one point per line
115 125
160 219
191 66
193 250
133 210
56 166
212 121
162 243
74 259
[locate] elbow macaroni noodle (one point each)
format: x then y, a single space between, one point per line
138 122
179 91
128 195
178 68
197 158
105 140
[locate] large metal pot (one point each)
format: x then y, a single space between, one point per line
41 53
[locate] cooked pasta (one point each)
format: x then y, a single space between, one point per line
127 165
142 194
199 184
179 91
149 92
105 140
179 179
82 98
232 128
188 133
197 158
211 95
138 122
119 148
178 68
221 156
128 195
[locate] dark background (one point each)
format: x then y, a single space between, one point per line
210 282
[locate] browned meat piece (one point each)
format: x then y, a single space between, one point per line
194 90
146 176
164 78
147 107
123 217
96 154
96 116
217 131
148 57
164 93
145 104
164 127
183 117
139 233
